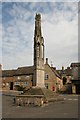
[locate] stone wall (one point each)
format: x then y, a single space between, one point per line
52 79
17 80
24 100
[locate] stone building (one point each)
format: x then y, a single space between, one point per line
19 77
75 77
40 74
66 74
71 76
24 76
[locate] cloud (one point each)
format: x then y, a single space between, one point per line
61 42
61 36
59 28
16 40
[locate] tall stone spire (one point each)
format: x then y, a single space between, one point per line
38 53
38 41
37 25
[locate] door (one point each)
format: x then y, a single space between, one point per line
11 85
78 89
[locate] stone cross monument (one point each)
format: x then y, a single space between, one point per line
38 54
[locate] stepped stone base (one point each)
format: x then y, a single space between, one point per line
38 96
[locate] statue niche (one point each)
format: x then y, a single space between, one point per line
38 49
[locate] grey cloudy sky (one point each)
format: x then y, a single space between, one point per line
59 29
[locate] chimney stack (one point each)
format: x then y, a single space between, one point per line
62 68
68 68
54 68
46 60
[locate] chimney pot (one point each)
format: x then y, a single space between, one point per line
68 68
54 68
62 67
46 60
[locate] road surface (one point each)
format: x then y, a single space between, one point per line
60 109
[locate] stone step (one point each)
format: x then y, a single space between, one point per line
48 95
34 91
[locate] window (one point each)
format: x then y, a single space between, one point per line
3 84
46 85
26 82
46 76
16 83
18 77
3 78
27 77
7 84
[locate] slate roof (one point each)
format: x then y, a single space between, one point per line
75 65
67 72
19 71
55 72
8 73
25 70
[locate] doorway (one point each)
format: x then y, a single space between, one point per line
78 89
11 85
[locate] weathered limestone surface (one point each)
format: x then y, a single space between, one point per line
37 96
